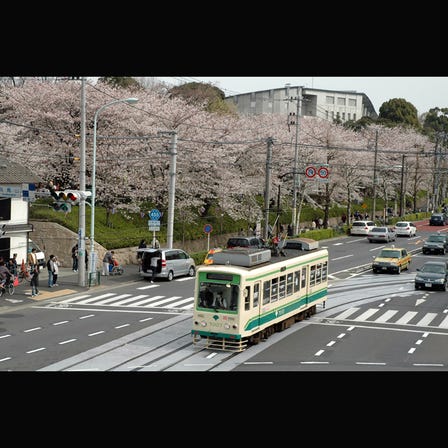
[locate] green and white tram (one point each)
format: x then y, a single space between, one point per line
245 295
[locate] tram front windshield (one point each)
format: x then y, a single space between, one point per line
218 296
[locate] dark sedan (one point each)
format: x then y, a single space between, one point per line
432 275
438 219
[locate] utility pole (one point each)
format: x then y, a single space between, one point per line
296 161
172 190
375 180
82 187
267 188
402 187
436 176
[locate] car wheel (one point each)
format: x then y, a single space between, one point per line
191 271
170 276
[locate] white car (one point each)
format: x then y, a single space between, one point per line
405 228
361 227
40 254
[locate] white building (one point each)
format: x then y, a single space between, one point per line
326 104
16 191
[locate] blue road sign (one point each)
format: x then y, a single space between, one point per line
154 214
208 228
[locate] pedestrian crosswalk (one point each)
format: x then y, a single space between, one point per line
130 300
399 317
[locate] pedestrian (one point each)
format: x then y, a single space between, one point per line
32 258
142 244
290 232
155 243
50 269
55 270
153 266
75 257
34 282
107 261
87 260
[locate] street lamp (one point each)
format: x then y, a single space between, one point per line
92 219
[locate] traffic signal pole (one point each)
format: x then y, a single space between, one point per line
82 187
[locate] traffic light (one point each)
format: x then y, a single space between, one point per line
73 196
61 206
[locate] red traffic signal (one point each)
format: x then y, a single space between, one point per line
73 196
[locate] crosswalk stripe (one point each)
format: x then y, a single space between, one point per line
347 313
145 302
427 319
112 299
367 314
406 317
386 316
131 299
444 323
93 299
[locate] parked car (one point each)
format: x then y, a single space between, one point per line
436 243
405 228
209 257
361 227
246 241
432 275
391 259
172 263
381 234
438 219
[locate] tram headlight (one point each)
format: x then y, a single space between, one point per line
227 326
203 323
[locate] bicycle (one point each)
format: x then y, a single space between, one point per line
4 286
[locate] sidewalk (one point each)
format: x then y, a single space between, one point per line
68 282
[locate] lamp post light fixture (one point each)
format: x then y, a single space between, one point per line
93 197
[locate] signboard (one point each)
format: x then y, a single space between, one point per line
154 225
154 215
208 228
319 172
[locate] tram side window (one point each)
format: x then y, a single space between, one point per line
319 274
246 295
324 271
297 281
256 294
313 275
303 281
266 292
289 283
282 287
274 290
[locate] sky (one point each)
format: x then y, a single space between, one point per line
423 92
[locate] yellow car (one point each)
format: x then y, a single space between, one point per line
209 257
391 259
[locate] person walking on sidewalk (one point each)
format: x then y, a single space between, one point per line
34 283
50 269
55 270
75 257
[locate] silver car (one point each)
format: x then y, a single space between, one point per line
382 234
172 263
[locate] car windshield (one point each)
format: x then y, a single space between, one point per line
401 224
390 253
435 268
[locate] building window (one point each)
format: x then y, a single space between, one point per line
348 115
330 99
354 117
326 114
341 101
352 102
343 116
